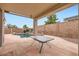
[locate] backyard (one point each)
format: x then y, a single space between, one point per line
39 29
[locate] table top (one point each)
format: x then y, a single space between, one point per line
41 38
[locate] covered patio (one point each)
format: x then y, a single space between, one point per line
12 45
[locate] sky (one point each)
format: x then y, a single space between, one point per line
20 21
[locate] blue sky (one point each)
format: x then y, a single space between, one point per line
20 21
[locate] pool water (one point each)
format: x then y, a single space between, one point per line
24 35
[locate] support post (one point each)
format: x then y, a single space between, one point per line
78 30
1 27
35 26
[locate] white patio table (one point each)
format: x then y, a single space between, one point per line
42 40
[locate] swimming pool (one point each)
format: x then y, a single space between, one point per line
24 35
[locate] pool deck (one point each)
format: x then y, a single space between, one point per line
16 46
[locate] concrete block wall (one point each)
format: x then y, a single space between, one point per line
16 30
66 29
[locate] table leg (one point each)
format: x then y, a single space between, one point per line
41 48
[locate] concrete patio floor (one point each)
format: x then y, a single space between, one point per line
16 46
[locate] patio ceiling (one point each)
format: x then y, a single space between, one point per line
34 10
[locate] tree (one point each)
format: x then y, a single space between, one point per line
11 26
25 26
14 26
51 20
